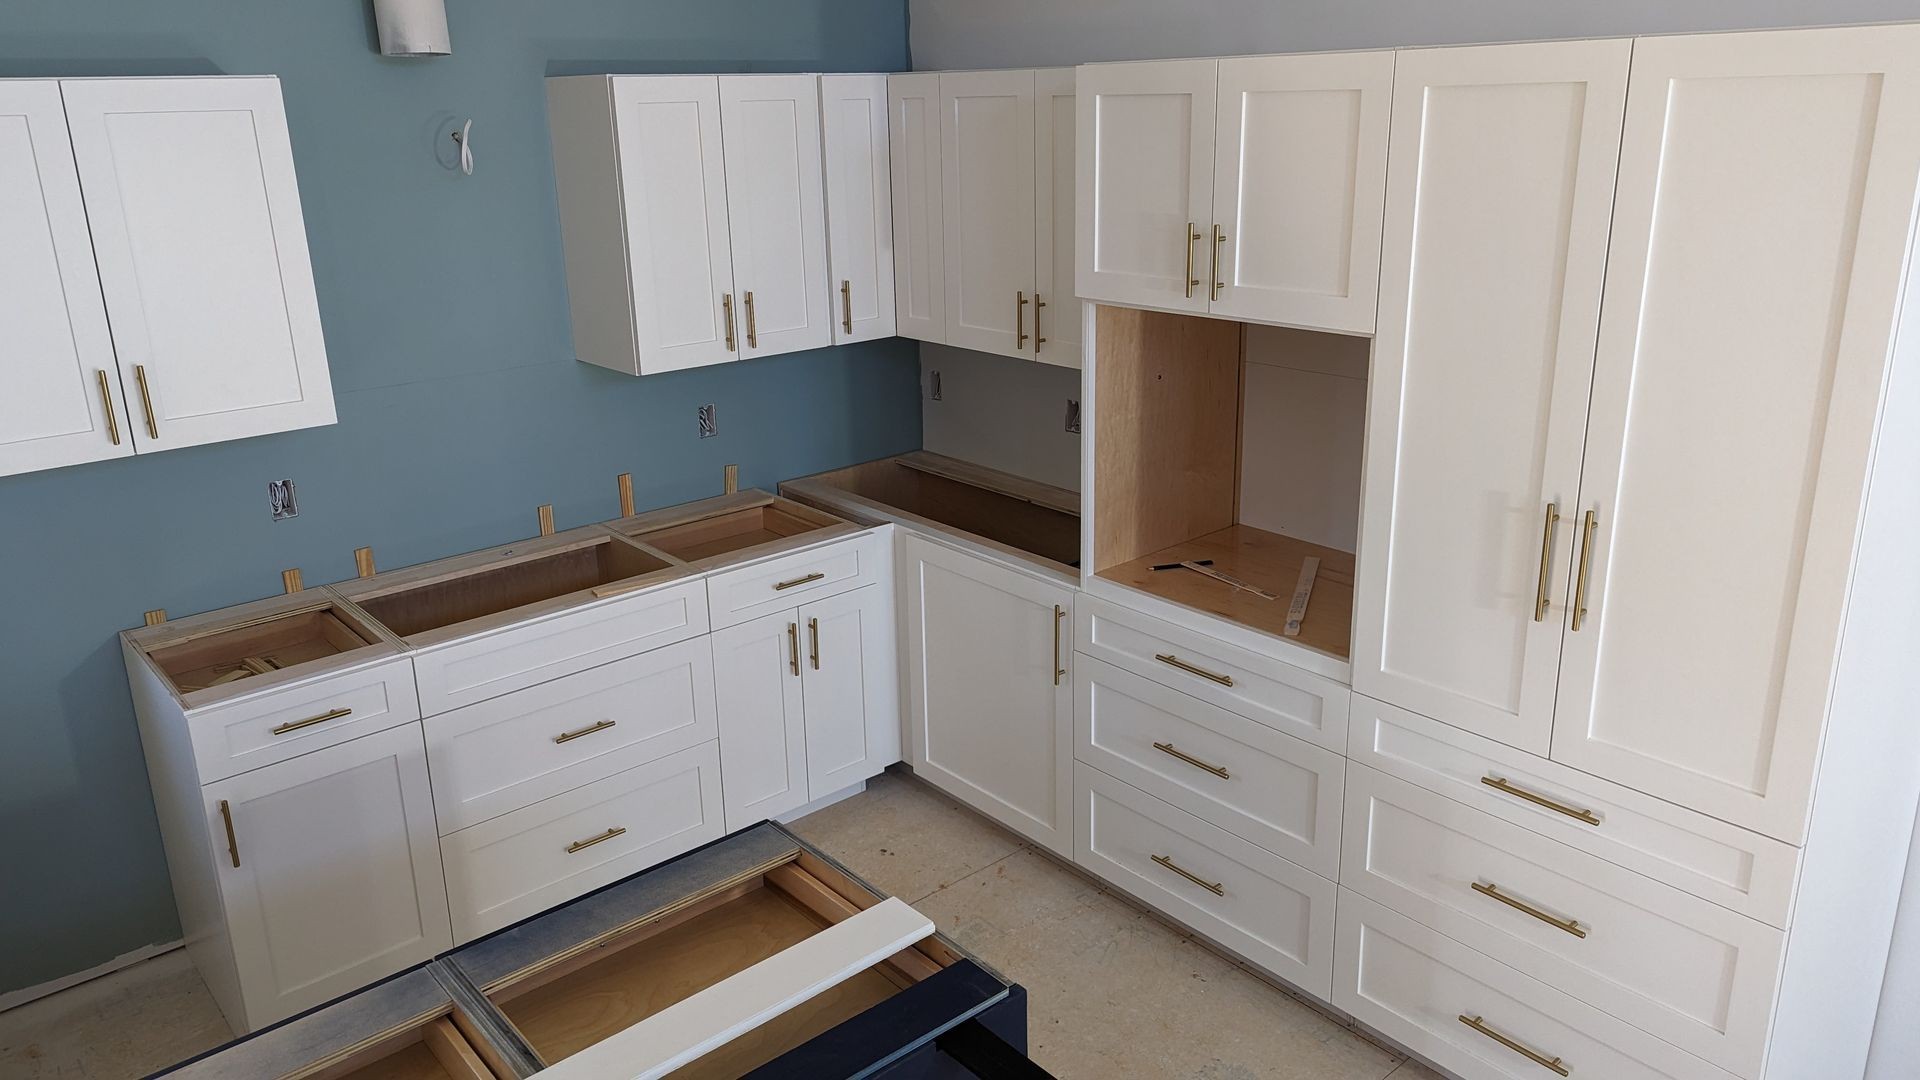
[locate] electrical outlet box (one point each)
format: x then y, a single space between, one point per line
281 498
708 426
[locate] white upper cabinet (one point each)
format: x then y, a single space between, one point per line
202 256
987 155
1497 212
63 403
1766 197
1056 303
1145 191
919 234
1300 163
776 209
853 122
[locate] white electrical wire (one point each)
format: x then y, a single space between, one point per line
465 138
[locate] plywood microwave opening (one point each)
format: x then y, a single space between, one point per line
1236 444
432 605
1003 517
572 1002
434 1049
229 654
734 530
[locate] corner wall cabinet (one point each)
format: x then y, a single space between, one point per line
157 287
853 125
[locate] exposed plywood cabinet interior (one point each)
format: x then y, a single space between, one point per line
1239 445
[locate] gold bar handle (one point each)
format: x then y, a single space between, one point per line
1192 235
582 845
1571 926
1213 887
581 733
1546 563
1019 320
799 581
1170 749
1520 1048
753 328
1586 569
1174 661
331 714
233 845
1219 237
106 394
146 399
1058 671
1498 784
846 306
1037 339
793 647
726 309
813 639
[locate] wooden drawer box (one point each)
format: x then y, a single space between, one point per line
1739 870
1422 989
517 749
1691 972
1261 785
737 596
1279 695
1270 911
533 858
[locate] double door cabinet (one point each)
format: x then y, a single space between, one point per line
156 289
715 218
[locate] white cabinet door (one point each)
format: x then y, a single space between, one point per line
674 194
329 868
919 233
849 678
989 652
1766 197
776 208
986 132
1498 205
202 252
1056 303
853 122
62 403
1300 165
1144 198
763 737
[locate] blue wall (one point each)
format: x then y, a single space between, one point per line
461 406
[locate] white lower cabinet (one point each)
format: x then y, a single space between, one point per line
989 655
851 690
1478 1017
328 871
763 740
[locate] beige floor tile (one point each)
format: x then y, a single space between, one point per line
1413 1070
905 838
126 1024
1116 992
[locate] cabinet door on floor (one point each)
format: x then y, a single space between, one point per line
919 232
776 209
62 404
1300 163
1145 193
1766 197
763 737
990 689
853 122
329 867
202 252
1498 204
986 130
850 682
1056 303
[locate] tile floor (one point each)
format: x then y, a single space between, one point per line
1114 992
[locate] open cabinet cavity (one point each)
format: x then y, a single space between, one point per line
1236 448
223 654
433 1049
729 528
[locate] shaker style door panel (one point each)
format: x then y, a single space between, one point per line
63 403
776 209
986 131
853 120
919 232
1766 193
763 734
1056 303
1498 202
202 251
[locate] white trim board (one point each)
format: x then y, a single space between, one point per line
15 998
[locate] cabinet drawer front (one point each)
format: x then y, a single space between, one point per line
1418 987
1696 975
1737 869
1279 695
515 750
524 862
1278 792
475 669
752 591
1268 910
230 739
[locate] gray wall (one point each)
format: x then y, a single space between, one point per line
1001 412
1037 33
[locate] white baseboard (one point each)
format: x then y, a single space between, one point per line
13 998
